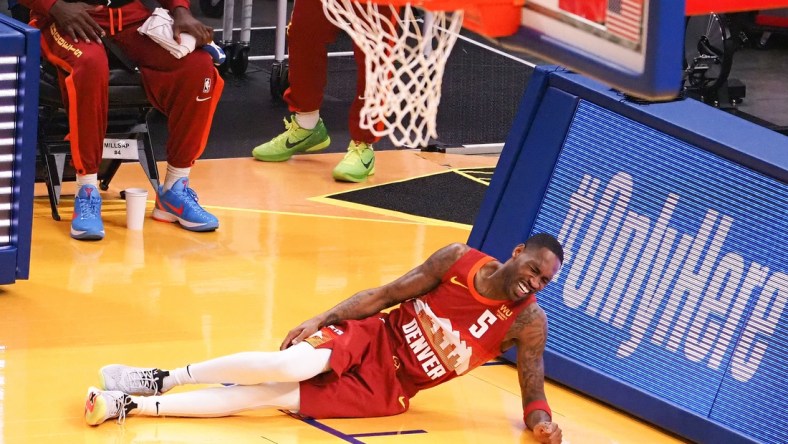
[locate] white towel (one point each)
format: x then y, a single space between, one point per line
159 28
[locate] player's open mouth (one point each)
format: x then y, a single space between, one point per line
523 288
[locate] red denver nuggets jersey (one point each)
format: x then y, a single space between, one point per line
452 329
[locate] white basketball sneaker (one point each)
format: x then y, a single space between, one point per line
103 405
133 380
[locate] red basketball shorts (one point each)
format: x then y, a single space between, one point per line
363 381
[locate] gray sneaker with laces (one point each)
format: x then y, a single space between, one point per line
103 405
133 380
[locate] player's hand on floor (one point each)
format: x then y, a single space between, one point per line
547 433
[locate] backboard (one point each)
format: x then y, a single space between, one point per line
634 46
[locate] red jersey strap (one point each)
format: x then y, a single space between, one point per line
464 270
470 278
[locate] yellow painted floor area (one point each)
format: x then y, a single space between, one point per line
166 297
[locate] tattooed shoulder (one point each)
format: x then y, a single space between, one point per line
444 258
530 326
532 314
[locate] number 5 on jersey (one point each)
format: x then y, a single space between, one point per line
482 324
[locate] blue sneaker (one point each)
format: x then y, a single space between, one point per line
217 53
86 221
179 204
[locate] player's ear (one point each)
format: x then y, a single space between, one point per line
517 250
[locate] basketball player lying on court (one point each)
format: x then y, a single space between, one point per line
457 310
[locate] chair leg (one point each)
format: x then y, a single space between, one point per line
54 164
106 176
51 193
146 156
148 161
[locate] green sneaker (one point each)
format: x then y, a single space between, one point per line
359 162
294 140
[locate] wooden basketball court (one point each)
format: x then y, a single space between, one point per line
166 297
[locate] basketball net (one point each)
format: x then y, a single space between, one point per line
405 59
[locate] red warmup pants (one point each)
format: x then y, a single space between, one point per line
185 90
309 35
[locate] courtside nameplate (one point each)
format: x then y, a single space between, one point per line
127 149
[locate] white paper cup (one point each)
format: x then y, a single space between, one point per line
136 200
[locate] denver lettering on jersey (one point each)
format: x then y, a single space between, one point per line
429 362
435 343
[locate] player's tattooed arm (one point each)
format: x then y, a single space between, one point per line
529 332
414 283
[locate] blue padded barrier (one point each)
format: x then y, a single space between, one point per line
19 74
670 304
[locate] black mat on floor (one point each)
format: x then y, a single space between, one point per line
452 196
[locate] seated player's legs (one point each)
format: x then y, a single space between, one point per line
84 80
187 91
309 33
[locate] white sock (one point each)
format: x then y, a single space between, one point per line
173 174
308 120
213 402
297 363
87 179
358 145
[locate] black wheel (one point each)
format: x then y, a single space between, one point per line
279 80
229 53
212 8
708 51
239 61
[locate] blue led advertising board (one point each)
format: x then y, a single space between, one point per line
673 217
19 76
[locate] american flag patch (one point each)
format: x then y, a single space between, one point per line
624 18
